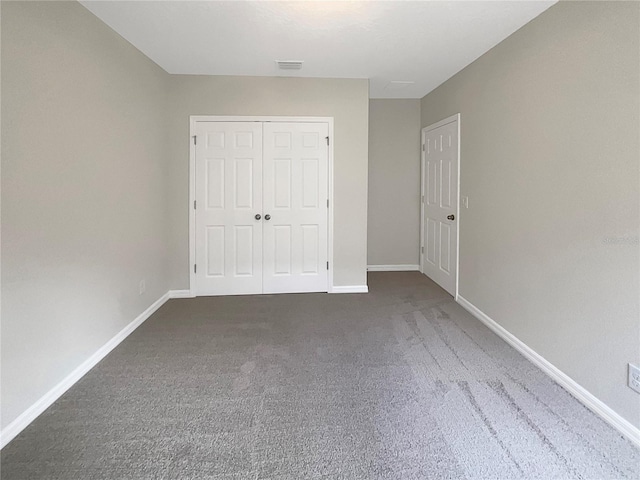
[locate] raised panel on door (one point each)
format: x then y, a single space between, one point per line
228 194
295 172
440 181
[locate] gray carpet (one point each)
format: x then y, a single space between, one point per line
401 383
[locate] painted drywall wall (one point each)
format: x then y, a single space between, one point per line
550 125
84 177
344 99
393 224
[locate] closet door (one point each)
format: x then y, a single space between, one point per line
228 198
295 192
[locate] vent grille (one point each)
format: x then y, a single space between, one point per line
398 84
289 64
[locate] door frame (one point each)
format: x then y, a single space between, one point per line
423 133
192 182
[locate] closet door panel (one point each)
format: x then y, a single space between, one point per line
295 193
228 193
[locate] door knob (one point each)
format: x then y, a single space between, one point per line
267 217
258 217
450 217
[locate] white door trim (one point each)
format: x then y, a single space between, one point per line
192 182
425 130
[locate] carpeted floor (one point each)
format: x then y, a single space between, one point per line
401 383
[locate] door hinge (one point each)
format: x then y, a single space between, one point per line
423 147
422 198
421 249
327 141
195 268
195 140
194 204
327 203
327 265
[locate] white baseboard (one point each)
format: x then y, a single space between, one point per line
583 395
350 289
393 268
181 294
31 413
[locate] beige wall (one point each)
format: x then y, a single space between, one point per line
550 131
84 178
345 100
394 182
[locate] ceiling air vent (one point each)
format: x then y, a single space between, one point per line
398 84
289 64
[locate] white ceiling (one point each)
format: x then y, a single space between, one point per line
425 42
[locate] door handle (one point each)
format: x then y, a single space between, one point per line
451 217
258 216
267 217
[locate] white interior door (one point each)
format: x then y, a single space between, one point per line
228 193
295 207
439 252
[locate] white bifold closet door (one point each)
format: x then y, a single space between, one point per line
228 196
295 206
261 219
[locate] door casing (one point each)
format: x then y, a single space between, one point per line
192 182
446 121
